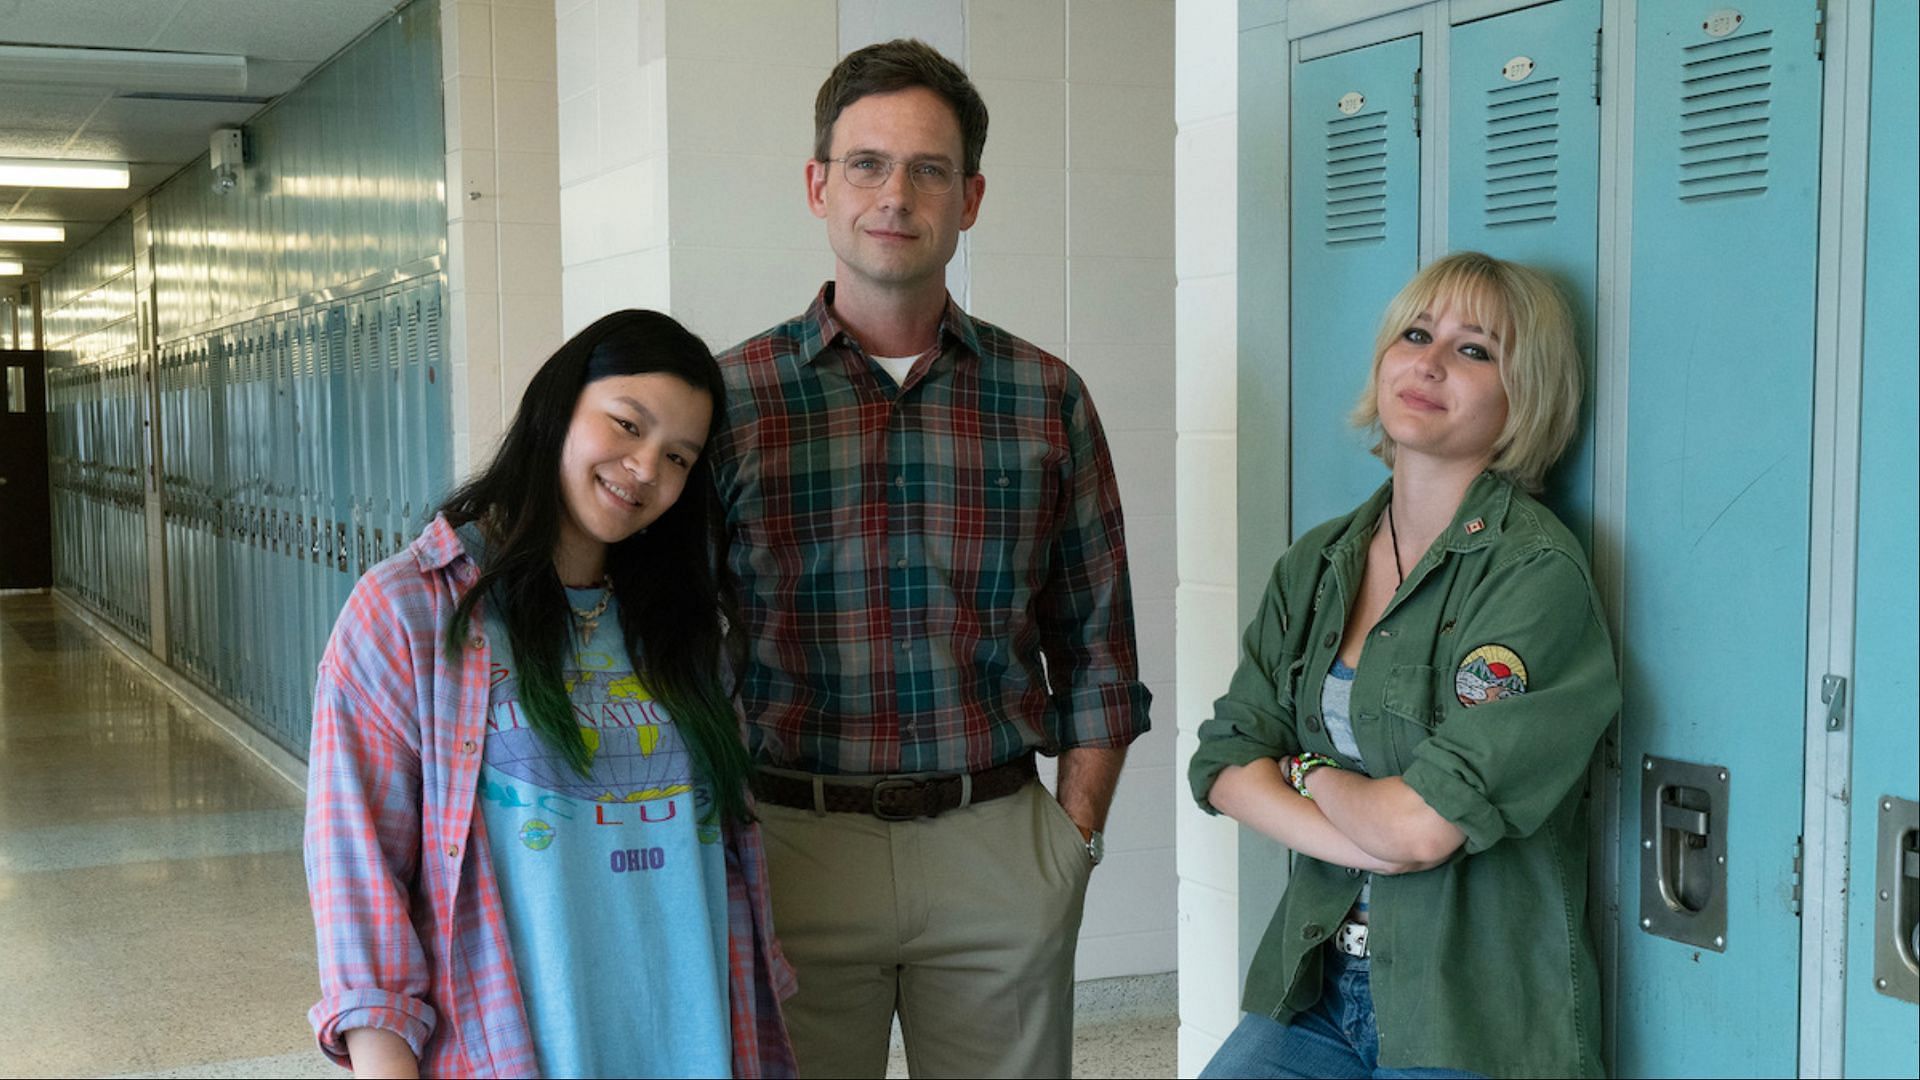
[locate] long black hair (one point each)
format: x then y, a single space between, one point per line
677 604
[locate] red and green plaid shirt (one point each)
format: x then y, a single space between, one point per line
934 574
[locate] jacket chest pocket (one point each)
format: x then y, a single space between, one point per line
1412 709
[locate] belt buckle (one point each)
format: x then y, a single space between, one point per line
892 784
1351 938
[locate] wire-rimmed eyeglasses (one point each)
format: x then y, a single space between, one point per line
872 170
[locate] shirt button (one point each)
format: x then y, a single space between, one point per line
469 746
901 563
900 481
1003 481
903 646
1313 722
476 642
1386 633
453 851
1330 639
1351 872
1311 932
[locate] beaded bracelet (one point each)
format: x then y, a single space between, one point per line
1302 765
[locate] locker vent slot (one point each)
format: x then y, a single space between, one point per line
1523 153
1357 178
1726 92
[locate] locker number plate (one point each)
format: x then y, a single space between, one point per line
1518 68
1352 102
1723 22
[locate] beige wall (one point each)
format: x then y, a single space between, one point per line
503 210
683 128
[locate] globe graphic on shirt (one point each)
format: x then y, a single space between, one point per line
631 761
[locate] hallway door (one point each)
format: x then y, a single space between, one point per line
26 516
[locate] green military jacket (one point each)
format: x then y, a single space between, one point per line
1485 686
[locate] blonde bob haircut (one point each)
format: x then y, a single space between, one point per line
1533 341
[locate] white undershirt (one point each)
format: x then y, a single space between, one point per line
898 366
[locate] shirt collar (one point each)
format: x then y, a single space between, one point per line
1478 523
441 545
821 328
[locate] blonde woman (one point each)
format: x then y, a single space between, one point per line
1413 714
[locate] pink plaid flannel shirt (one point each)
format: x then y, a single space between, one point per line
411 933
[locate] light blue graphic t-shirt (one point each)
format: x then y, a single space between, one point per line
1336 701
614 883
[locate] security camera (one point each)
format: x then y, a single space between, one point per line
226 154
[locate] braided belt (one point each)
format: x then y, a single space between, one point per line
895 798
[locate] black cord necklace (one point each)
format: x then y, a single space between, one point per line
1394 535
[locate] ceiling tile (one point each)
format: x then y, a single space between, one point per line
100 24
270 29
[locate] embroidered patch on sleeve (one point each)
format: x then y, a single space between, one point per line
1489 673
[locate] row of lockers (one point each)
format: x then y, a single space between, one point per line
97 464
296 450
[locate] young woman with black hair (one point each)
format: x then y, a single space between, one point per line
528 842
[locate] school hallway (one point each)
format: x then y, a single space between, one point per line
152 899
151 895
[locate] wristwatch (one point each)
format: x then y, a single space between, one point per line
1096 847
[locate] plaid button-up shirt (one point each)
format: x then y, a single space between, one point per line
405 904
934 573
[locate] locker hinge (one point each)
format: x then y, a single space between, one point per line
1596 65
1416 103
1820 31
1799 860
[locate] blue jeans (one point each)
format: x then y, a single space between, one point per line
1335 1038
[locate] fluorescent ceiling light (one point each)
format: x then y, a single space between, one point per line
49 172
123 69
11 269
29 233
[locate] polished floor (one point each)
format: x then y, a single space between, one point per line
153 909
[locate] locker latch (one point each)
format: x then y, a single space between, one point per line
1833 693
1683 851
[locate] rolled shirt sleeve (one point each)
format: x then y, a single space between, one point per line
362 842
1499 768
1085 611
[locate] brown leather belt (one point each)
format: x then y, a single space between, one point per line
896 798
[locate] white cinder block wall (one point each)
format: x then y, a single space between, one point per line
683 130
503 210
1205 197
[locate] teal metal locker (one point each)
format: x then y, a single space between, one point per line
1356 241
1523 168
1726 154
1882 1020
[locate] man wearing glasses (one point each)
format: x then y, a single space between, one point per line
923 517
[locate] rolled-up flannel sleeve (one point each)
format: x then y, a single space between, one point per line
1535 654
1085 609
362 842
1254 718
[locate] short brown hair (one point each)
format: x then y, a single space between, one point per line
900 64
1539 353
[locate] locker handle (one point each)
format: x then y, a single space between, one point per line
1691 872
1896 936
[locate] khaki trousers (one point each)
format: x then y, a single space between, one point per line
965 925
